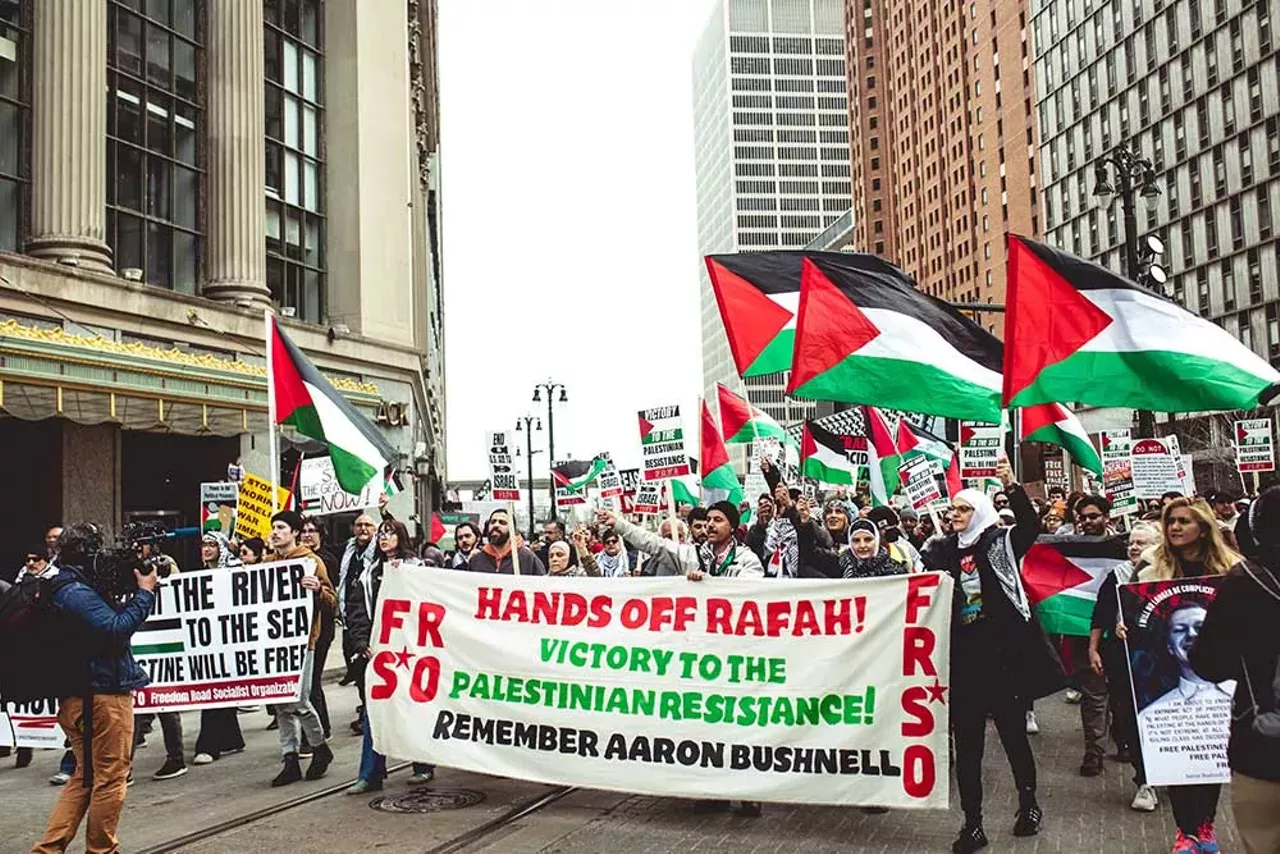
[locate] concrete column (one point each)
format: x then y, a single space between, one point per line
236 257
91 474
69 133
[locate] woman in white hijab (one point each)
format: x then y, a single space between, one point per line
1000 659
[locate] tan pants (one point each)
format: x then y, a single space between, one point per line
112 740
1256 804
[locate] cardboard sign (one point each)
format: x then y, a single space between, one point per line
321 495
1184 722
662 443
649 498
819 693
231 636
980 445
921 476
503 478
1156 469
253 507
1254 448
218 507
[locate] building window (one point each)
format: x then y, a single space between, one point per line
294 45
15 123
155 148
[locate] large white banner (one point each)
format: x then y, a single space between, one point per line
224 637
33 724
808 691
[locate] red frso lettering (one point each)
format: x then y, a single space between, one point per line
392 611
914 703
917 649
384 685
919 772
918 598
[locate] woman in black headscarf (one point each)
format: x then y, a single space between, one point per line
866 556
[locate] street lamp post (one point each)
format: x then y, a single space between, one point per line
527 424
550 388
1134 176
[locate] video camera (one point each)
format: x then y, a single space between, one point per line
135 548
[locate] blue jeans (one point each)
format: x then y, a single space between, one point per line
373 765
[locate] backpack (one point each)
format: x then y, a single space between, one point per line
1265 724
46 653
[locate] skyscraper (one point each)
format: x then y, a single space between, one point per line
772 149
1192 86
942 129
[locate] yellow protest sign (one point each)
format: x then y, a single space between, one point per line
253 512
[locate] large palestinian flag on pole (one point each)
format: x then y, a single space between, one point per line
1076 331
741 422
883 457
758 293
824 458
304 400
1054 424
1062 575
719 480
864 334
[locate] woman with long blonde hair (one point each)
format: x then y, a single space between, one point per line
1192 547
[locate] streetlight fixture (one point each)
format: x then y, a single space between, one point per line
527 424
1134 176
550 387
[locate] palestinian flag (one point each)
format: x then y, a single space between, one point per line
438 530
824 457
954 482
158 636
576 475
305 400
1062 575
882 457
758 293
719 480
864 334
741 422
1054 424
914 441
683 493
1077 331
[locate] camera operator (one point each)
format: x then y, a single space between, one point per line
87 595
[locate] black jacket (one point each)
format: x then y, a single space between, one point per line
755 539
1027 663
1240 629
358 622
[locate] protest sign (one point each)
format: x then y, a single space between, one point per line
610 482
33 724
980 445
1183 721
1055 469
630 483
218 507
649 498
253 507
567 496
1117 472
920 476
322 495
662 443
503 478
224 637
1155 469
831 692
1254 448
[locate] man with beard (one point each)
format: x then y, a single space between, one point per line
496 554
466 540
698 525
356 557
760 527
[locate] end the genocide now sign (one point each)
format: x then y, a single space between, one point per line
819 692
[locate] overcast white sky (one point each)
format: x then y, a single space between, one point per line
570 233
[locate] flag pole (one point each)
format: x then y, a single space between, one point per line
273 439
511 537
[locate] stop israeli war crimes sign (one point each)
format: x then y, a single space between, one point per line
819 691
223 637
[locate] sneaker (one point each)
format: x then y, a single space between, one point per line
1073 697
421 778
1145 800
362 786
1091 767
972 838
1183 844
1028 821
749 809
1032 727
170 769
202 759
305 752
1207 839
59 779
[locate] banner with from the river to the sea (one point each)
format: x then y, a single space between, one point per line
816 691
